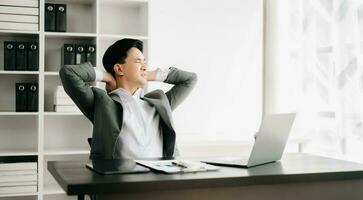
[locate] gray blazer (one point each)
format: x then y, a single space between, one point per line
106 114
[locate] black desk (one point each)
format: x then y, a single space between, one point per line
297 176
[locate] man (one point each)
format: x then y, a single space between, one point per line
126 123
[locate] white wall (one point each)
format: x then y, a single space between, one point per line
222 42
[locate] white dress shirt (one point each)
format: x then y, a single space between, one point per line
140 136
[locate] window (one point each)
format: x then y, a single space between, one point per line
320 42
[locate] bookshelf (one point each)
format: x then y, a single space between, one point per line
60 136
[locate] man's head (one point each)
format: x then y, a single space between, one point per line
125 61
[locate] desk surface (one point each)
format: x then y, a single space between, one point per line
76 179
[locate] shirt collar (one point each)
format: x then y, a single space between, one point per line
124 95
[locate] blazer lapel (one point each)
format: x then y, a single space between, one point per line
160 102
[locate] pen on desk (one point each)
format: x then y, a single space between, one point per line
179 164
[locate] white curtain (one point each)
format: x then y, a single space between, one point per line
325 48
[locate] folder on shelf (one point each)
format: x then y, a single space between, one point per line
18 26
18 178
68 54
60 17
21 97
80 54
33 19
18 163
18 174
18 189
22 3
49 17
33 56
9 55
32 97
91 54
19 10
21 56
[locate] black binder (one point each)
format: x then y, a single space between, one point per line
21 97
32 97
33 56
60 17
9 55
68 54
21 56
80 53
49 17
91 54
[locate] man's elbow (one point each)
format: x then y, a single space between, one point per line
64 72
194 78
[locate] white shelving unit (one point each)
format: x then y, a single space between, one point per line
47 134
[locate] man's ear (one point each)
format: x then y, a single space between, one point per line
118 68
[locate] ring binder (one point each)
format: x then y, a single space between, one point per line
32 97
21 56
61 17
80 54
49 17
21 97
9 55
91 54
68 54
33 56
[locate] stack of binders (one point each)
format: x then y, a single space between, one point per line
20 15
26 97
75 54
21 56
55 17
18 175
62 102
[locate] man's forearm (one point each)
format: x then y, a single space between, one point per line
151 75
107 77
158 74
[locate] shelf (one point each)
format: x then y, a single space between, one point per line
18 152
65 35
53 189
80 17
17 33
62 113
61 135
18 113
120 36
18 72
65 151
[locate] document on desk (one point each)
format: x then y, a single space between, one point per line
177 166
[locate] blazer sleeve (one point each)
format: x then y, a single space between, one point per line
183 82
75 80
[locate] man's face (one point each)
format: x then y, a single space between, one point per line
134 68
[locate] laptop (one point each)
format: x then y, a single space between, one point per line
269 144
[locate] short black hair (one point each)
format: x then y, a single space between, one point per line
117 53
